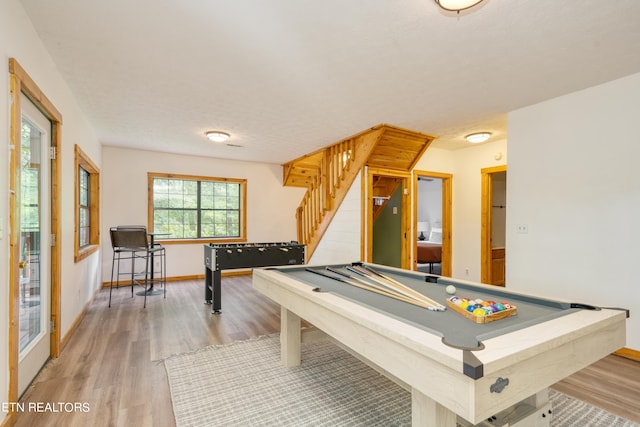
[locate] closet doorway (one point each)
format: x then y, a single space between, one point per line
387 217
493 226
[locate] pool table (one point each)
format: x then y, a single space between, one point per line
457 370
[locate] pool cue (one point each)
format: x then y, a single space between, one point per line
371 289
382 281
400 287
423 302
386 284
403 286
394 283
366 283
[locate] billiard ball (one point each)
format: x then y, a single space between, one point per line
451 289
479 312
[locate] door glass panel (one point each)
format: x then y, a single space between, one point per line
31 316
84 208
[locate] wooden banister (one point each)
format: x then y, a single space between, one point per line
336 171
328 173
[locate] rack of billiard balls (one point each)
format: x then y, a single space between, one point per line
481 311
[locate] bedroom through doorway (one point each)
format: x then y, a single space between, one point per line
432 215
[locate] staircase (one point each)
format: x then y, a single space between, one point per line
328 173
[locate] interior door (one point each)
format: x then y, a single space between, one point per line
493 226
35 243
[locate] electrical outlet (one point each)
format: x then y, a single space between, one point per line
522 229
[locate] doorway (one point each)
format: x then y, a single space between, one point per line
432 222
34 204
387 217
34 247
493 226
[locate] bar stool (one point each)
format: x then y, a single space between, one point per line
131 243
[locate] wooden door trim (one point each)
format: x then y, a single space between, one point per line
485 221
21 82
447 224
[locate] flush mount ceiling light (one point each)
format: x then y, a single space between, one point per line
457 5
217 136
478 137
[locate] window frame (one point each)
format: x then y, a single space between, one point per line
83 161
243 208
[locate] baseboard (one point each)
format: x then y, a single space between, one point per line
629 353
65 339
183 278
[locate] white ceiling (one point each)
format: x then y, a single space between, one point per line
286 77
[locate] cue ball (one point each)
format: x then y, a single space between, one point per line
451 289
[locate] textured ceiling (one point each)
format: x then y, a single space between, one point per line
286 77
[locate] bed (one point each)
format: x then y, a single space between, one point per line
430 251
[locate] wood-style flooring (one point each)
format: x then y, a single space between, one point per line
113 361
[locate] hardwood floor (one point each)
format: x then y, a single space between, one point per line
613 384
113 361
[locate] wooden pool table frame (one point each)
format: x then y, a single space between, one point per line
520 364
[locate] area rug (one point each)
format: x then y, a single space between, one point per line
244 384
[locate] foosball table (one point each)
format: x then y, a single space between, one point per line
218 257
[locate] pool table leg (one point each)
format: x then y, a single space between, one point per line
290 338
538 400
427 412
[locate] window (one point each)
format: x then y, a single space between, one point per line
87 198
84 208
192 207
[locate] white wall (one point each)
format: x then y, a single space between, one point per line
19 40
465 165
341 241
271 208
574 180
429 204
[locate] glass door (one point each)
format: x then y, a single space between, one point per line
35 249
